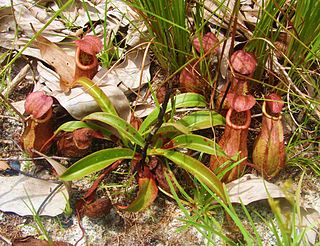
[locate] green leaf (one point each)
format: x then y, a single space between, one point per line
173 127
202 120
195 167
148 192
95 162
70 126
197 143
99 96
124 128
185 100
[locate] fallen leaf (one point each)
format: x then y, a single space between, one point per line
250 188
25 241
126 75
80 104
16 191
310 219
4 166
62 63
59 169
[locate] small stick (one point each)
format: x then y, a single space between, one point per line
17 80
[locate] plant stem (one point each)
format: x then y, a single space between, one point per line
156 126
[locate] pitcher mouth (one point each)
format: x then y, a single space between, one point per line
265 112
235 126
84 66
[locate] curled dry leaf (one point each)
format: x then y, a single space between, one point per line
250 188
17 191
25 241
38 104
80 104
243 62
60 60
4 166
209 43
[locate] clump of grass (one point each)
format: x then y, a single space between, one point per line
167 30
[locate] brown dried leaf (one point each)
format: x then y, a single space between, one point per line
250 188
56 57
4 166
25 241
17 191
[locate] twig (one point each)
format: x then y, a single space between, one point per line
17 80
5 240
34 158
156 126
52 193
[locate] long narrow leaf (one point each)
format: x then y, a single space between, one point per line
70 126
197 143
202 119
99 96
123 127
173 127
95 162
185 100
195 167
